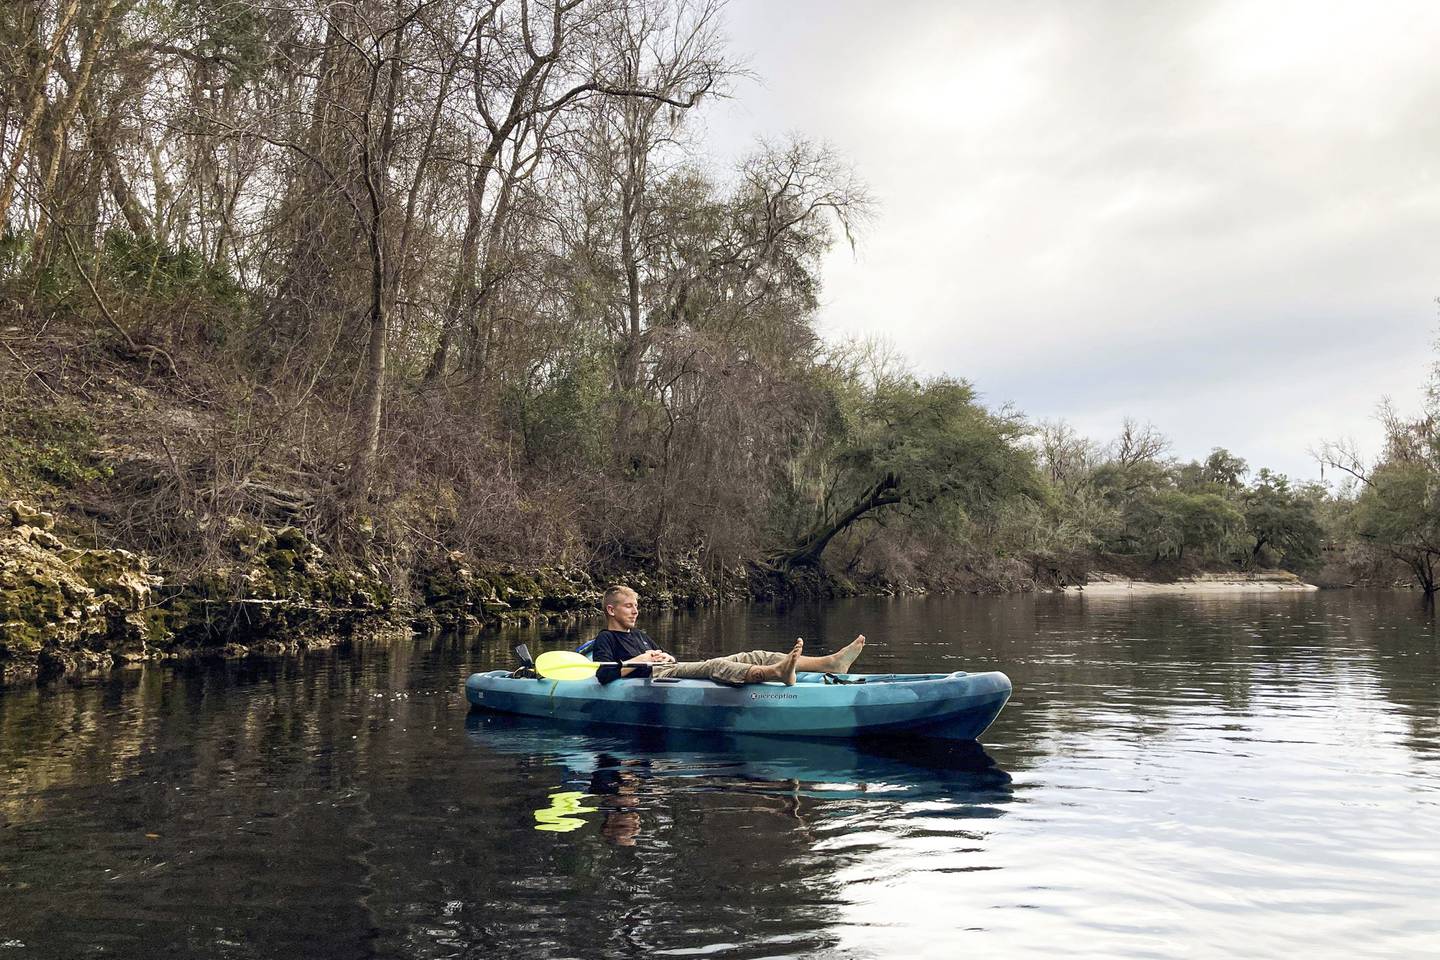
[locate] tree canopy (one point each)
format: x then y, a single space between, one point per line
459 274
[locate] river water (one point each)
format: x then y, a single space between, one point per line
1244 775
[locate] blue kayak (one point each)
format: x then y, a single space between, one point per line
957 706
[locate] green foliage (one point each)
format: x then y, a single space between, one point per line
14 250
1053 529
1282 521
1221 472
1399 511
1401 504
565 416
143 266
1395 513
1168 522
232 35
1141 522
923 450
1208 522
49 282
46 448
1136 503
947 452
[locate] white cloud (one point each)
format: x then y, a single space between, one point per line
1219 217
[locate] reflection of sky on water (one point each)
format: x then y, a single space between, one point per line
1295 821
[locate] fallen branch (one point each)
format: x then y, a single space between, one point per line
100 301
30 370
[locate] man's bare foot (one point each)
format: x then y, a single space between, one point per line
846 656
787 666
782 671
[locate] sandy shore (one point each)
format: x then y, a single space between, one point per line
1205 583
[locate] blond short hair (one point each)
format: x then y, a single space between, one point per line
615 593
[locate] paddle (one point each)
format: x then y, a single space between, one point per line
567 665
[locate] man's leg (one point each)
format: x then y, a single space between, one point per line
838 662
719 669
754 666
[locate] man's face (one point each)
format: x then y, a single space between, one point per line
624 611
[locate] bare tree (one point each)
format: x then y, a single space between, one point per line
528 72
1138 444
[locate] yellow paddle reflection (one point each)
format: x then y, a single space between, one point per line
560 817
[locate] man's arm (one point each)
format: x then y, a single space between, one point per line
606 649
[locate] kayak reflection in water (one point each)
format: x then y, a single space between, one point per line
622 779
622 788
627 652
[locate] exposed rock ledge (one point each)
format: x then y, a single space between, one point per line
66 609
63 607
1205 583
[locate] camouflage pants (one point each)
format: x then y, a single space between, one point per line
730 670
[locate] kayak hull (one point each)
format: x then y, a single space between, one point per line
953 706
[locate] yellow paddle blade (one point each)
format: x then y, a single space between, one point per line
567 673
565 665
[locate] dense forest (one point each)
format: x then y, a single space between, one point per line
406 282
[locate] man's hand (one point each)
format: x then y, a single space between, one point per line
650 656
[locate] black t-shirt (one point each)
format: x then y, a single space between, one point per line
615 646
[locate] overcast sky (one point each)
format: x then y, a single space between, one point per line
1223 218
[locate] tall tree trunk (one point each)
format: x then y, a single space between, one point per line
490 277
376 160
633 348
94 36
465 292
36 107
367 448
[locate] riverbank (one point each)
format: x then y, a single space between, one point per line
1266 582
69 608
157 507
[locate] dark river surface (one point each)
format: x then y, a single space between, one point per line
1221 776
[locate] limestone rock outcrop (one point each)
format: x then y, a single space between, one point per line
62 607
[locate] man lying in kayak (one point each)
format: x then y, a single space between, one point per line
639 656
